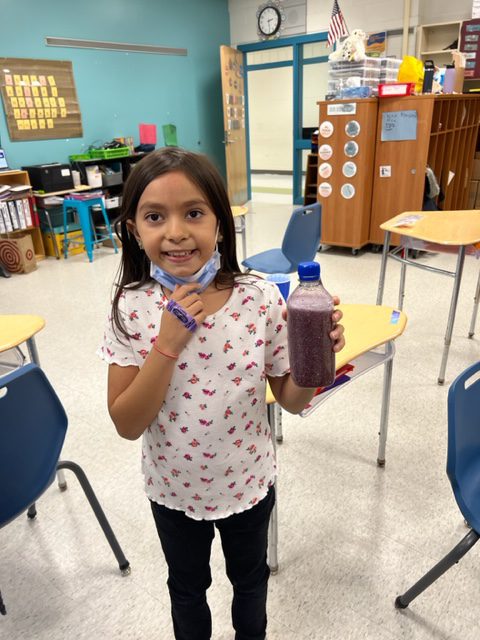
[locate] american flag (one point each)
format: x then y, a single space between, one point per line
337 27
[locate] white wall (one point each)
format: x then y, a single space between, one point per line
369 15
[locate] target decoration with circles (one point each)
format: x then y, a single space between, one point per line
11 257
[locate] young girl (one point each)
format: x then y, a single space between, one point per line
191 343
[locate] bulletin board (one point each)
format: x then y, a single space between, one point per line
40 99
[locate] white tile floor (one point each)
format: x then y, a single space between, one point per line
352 535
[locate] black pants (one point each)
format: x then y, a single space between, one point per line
187 543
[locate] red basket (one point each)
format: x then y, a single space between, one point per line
396 89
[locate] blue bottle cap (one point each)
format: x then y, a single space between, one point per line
309 271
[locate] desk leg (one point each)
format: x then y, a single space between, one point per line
273 526
54 237
403 272
278 424
33 353
475 309
383 268
387 384
451 315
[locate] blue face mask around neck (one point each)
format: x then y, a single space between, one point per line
202 277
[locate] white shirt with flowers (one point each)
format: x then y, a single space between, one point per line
209 451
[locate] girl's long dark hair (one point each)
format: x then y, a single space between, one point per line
134 269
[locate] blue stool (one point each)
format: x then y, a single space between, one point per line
90 237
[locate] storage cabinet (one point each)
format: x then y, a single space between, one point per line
310 190
446 136
18 178
346 147
432 40
112 182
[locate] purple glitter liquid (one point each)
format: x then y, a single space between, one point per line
309 321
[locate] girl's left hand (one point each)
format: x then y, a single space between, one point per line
337 334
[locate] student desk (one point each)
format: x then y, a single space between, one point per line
434 231
240 212
367 329
15 330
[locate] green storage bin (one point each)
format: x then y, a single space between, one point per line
107 154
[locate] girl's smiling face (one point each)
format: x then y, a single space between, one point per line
175 224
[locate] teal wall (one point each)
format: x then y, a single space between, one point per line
117 90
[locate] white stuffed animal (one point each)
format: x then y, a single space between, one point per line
352 49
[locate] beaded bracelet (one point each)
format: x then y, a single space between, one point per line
173 356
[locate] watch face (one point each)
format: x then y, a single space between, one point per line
269 20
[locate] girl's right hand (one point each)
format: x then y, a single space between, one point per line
173 336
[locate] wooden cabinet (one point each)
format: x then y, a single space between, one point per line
347 128
447 130
432 40
19 178
310 190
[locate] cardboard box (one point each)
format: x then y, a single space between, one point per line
17 253
472 193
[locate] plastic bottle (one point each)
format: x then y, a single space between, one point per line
309 322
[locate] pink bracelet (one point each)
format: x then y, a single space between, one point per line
164 353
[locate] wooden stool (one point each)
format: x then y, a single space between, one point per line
90 237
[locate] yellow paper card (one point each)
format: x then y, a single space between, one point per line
35 91
14 102
20 125
21 102
61 102
51 81
16 79
54 91
33 124
63 113
32 113
9 91
26 124
47 113
46 102
53 102
54 113
40 113
49 124
26 79
44 91
16 114
33 80
41 124
38 103
19 91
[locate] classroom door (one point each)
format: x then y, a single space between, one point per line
233 92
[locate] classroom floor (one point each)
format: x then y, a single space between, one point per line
351 535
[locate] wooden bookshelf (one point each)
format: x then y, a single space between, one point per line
447 131
17 178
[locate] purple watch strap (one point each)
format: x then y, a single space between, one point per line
179 312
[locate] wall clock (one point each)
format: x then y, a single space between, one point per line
270 17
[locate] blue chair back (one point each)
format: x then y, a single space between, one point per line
302 235
463 459
33 424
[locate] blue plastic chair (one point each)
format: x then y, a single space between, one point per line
463 470
300 243
33 424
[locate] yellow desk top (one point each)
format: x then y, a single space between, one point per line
442 227
239 210
17 329
81 187
366 326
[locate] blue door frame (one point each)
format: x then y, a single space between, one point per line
299 145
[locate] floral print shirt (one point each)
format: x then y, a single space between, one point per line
209 451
